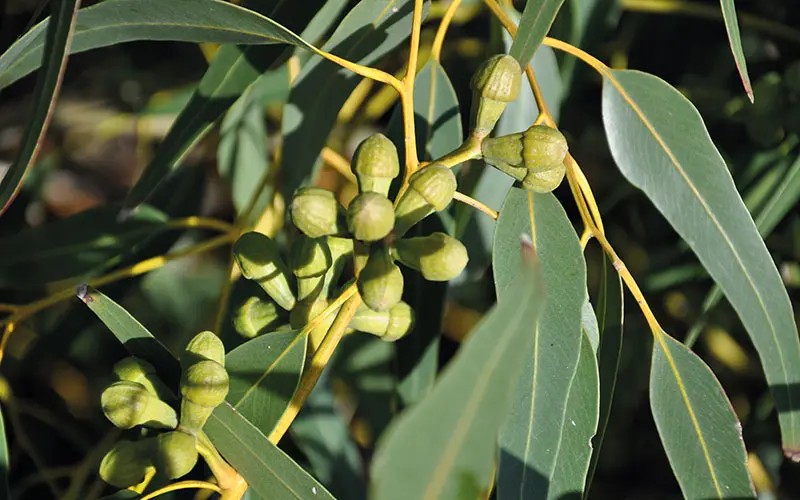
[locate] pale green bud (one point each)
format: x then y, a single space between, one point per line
204 345
316 213
127 462
389 325
370 216
438 257
259 259
430 190
255 317
495 84
176 454
375 164
380 282
128 404
204 386
538 149
140 371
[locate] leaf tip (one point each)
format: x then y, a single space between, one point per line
125 213
83 293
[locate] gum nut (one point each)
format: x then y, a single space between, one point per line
498 78
375 164
505 154
204 345
134 369
401 321
126 463
311 257
205 383
389 325
544 181
370 216
315 212
380 282
436 184
259 259
176 454
128 404
256 316
438 257
543 147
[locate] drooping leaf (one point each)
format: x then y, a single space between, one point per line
661 145
533 431
269 472
56 39
67 248
368 32
699 431
131 334
456 424
264 373
735 41
580 424
536 20
4 463
118 21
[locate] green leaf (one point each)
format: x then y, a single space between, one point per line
660 143
233 70
699 431
456 424
131 334
264 373
575 451
610 314
438 117
76 246
536 20
367 33
56 39
533 431
735 41
118 21
4 463
269 472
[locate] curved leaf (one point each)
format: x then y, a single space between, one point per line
264 373
57 41
4 493
534 429
699 431
536 20
660 143
457 422
735 41
117 21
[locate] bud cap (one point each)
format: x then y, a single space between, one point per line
205 383
370 216
128 404
315 212
255 317
430 190
375 164
380 282
176 454
204 345
127 462
438 257
259 259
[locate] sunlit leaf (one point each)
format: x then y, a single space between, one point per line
456 424
699 431
735 41
536 20
660 143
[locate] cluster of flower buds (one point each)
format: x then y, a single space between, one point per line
140 398
371 230
534 157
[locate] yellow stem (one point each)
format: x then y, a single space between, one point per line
195 222
365 71
589 59
339 163
467 200
318 362
407 94
183 485
469 150
227 477
586 191
438 41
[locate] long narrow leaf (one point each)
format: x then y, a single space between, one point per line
57 41
536 20
660 143
735 41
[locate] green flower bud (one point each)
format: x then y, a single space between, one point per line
537 149
305 312
438 257
204 345
128 404
255 317
127 462
375 164
545 180
176 454
495 84
370 216
140 371
204 386
380 282
259 259
316 213
389 325
429 190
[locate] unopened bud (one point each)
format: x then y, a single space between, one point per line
380 282
259 259
370 216
430 190
375 164
389 325
438 257
128 404
495 84
316 213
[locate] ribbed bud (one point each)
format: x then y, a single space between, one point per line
255 317
311 259
176 454
495 84
389 325
380 282
546 180
430 190
370 216
140 371
316 213
204 386
259 259
128 404
204 345
538 149
375 164
127 462
438 257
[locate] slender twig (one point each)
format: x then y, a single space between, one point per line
468 200
447 18
183 485
333 159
